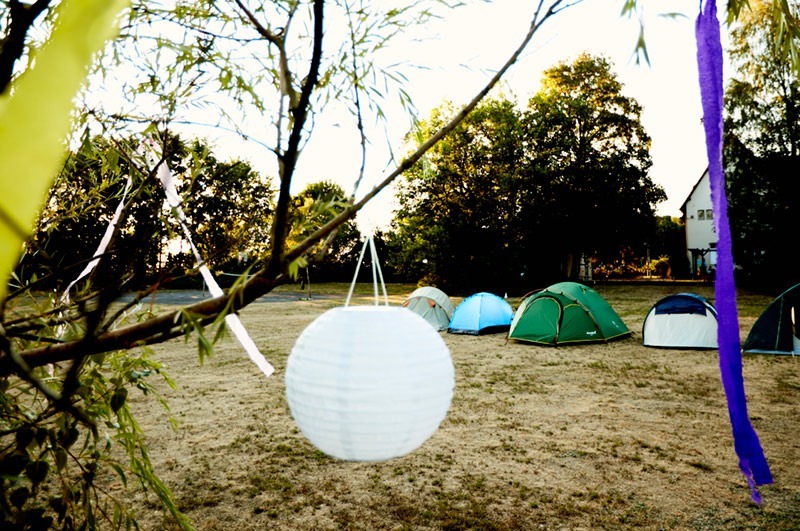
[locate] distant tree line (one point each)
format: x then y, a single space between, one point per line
511 200
228 207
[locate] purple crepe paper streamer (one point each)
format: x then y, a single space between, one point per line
709 61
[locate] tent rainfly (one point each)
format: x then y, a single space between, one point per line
564 313
777 329
432 304
481 313
681 320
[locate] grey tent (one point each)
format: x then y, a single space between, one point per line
432 304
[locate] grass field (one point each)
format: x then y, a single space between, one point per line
604 436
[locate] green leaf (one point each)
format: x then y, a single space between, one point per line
295 266
37 471
118 398
35 119
19 496
120 472
60 458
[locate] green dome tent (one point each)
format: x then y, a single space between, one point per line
564 313
777 329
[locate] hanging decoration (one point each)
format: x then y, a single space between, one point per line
231 320
371 382
101 248
752 462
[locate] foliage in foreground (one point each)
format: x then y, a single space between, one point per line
67 463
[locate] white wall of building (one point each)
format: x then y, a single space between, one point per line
700 233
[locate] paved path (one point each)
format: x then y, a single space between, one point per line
184 297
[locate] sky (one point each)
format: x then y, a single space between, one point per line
457 54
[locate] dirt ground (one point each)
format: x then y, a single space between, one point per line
603 436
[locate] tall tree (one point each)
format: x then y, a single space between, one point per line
762 149
81 204
456 220
586 137
312 208
514 198
228 207
762 100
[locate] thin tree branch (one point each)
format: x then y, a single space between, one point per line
12 46
357 102
156 330
288 160
409 161
167 326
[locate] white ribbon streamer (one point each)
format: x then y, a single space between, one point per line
234 323
104 241
101 249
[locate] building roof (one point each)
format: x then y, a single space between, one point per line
683 206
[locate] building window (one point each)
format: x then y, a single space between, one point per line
709 214
701 214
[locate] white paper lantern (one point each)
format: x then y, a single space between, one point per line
369 383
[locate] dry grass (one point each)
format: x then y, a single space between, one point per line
607 436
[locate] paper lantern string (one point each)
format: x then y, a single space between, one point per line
376 273
232 320
752 462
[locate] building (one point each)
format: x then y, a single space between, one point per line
698 219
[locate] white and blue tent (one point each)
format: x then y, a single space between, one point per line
481 313
681 320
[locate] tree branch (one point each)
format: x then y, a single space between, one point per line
13 44
288 160
409 161
168 326
156 330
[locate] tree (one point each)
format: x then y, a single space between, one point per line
586 138
763 194
95 352
762 149
762 100
18 19
228 207
670 242
456 210
314 206
514 198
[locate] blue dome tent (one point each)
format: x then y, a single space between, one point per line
481 313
